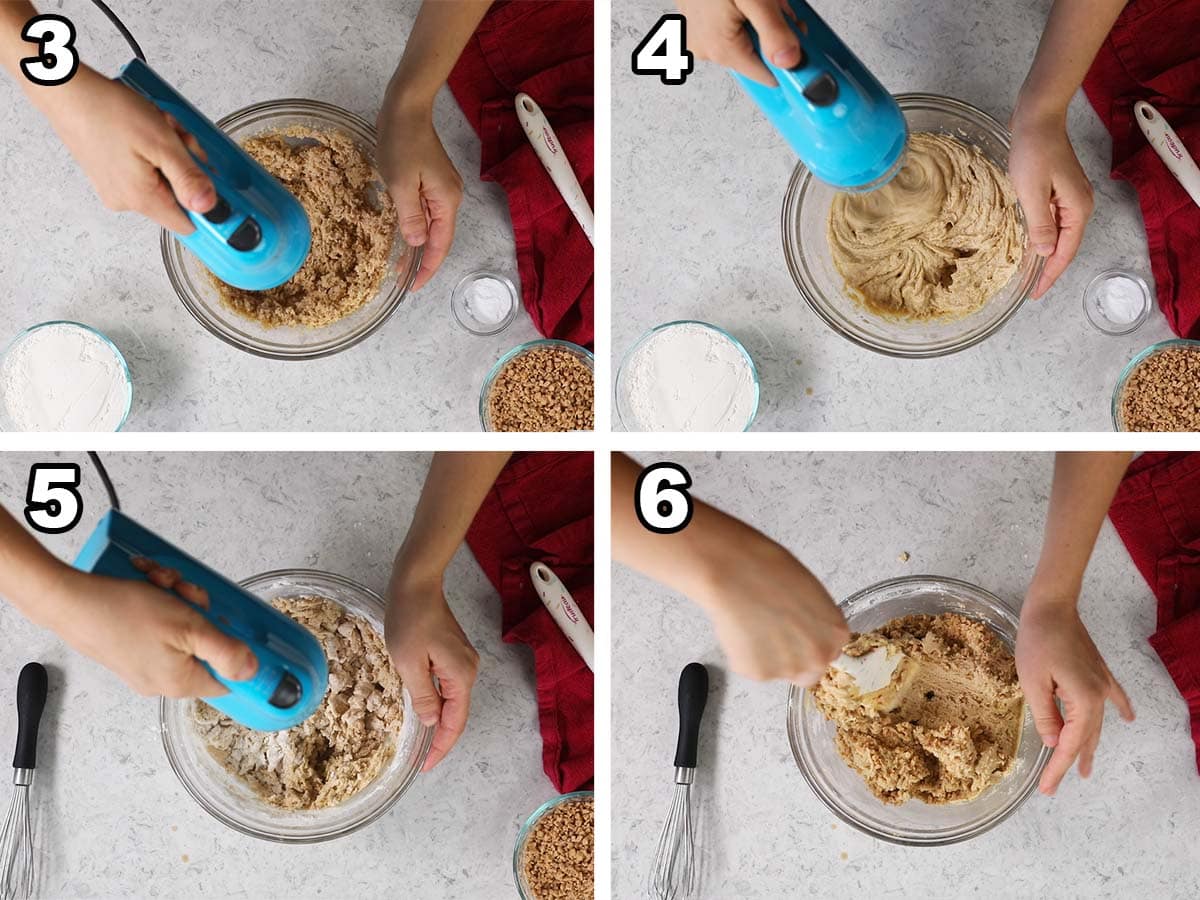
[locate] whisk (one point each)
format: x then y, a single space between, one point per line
674 873
16 841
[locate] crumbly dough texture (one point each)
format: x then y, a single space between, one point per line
949 726
937 242
353 227
345 744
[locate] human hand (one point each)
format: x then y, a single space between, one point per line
715 32
1054 191
135 156
150 638
773 618
426 641
1055 656
422 181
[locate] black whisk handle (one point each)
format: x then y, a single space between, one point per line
693 694
31 701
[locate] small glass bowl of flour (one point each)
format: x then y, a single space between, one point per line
484 303
63 377
687 376
1117 302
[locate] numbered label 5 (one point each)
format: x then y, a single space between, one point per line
661 499
663 52
52 502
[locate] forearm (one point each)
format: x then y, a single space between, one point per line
453 491
1084 486
30 576
438 36
14 14
1074 32
689 561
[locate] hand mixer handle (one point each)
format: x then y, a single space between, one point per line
32 685
693 695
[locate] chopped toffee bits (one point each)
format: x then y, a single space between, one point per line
546 389
558 859
1163 392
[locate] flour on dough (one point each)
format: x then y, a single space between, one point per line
937 241
950 728
345 744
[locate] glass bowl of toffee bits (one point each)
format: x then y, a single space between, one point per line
555 854
543 385
1160 389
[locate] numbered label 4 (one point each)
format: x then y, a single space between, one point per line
57 61
661 498
663 52
52 502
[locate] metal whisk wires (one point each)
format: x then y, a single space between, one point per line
674 873
16 843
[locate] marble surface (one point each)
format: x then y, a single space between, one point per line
1126 832
67 257
699 175
116 822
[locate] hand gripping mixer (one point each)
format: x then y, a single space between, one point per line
292 670
838 118
258 235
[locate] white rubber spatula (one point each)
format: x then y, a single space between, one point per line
1169 147
872 671
550 152
566 613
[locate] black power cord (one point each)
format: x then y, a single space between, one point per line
103 473
120 26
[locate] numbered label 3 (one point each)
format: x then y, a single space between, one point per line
661 498
57 61
663 52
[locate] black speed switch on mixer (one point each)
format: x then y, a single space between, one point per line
220 212
287 692
247 237
822 90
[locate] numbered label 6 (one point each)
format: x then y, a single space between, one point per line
661 499
52 502
663 52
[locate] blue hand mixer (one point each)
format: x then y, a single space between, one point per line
258 235
292 674
838 118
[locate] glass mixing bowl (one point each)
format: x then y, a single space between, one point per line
621 401
193 284
841 789
806 248
1173 343
231 801
553 803
581 353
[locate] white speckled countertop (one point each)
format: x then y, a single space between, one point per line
116 822
1127 832
67 257
699 175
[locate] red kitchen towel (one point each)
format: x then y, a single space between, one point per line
540 509
1153 54
1157 514
543 49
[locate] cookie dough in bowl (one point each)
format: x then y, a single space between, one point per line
339 770
899 286
359 269
908 802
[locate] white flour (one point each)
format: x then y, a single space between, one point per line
688 378
488 301
63 378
